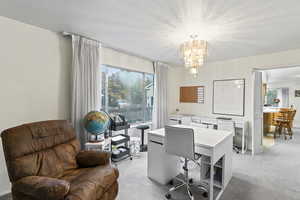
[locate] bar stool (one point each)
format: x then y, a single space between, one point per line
143 128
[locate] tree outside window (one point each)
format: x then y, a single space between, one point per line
129 93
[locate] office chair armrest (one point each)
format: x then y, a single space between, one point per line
92 158
41 187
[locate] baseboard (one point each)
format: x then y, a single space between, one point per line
296 126
4 193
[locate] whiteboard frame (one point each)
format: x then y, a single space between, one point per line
213 105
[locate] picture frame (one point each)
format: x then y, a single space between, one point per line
297 93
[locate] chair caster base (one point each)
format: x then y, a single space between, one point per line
143 148
205 194
168 196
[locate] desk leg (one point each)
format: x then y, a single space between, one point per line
211 182
243 141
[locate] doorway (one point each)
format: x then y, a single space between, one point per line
275 99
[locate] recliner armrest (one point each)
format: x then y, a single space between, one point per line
92 158
42 187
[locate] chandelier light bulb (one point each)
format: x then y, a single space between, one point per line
194 52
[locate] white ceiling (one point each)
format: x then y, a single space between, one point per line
282 74
156 28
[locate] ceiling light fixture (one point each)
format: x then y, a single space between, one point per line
194 52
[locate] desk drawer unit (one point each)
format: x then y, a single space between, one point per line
203 151
162 167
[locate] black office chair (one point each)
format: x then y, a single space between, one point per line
180 142
143 128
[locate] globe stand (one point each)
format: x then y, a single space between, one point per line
96 138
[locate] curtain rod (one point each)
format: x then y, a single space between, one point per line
64 33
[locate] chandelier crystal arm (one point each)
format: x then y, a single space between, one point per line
194 53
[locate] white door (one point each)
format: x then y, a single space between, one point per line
257 120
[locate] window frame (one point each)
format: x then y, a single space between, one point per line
144 106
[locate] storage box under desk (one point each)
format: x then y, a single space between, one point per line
162 167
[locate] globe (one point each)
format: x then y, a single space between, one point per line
96 122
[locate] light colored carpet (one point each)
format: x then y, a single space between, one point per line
272 175
268 141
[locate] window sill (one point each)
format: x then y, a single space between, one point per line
138 124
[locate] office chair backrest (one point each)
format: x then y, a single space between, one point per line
179 142
226 125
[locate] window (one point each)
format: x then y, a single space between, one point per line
271 96
128 93
278 97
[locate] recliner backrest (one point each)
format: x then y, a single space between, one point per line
45 148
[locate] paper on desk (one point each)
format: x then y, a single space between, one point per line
117 138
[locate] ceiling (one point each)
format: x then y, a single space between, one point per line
156 28
282 74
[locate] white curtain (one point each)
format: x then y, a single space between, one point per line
257 120
160 116
86 82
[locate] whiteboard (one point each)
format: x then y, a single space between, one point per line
229 97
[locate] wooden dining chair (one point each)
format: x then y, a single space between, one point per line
285 121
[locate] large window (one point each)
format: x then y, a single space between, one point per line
129 93
277 97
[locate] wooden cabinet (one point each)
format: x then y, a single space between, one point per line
269 121
268 118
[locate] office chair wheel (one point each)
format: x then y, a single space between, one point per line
205 194
171 182
191 180
168 196
130 158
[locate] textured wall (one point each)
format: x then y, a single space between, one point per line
34 78
231 69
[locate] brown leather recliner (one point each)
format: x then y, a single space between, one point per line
44 161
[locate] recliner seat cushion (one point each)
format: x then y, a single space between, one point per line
90 183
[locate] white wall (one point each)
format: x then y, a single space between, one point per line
35 66
34 78
175 78
122 60
229 69
292 85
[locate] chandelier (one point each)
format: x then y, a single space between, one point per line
194 52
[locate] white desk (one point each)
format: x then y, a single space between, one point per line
238 123
215 146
